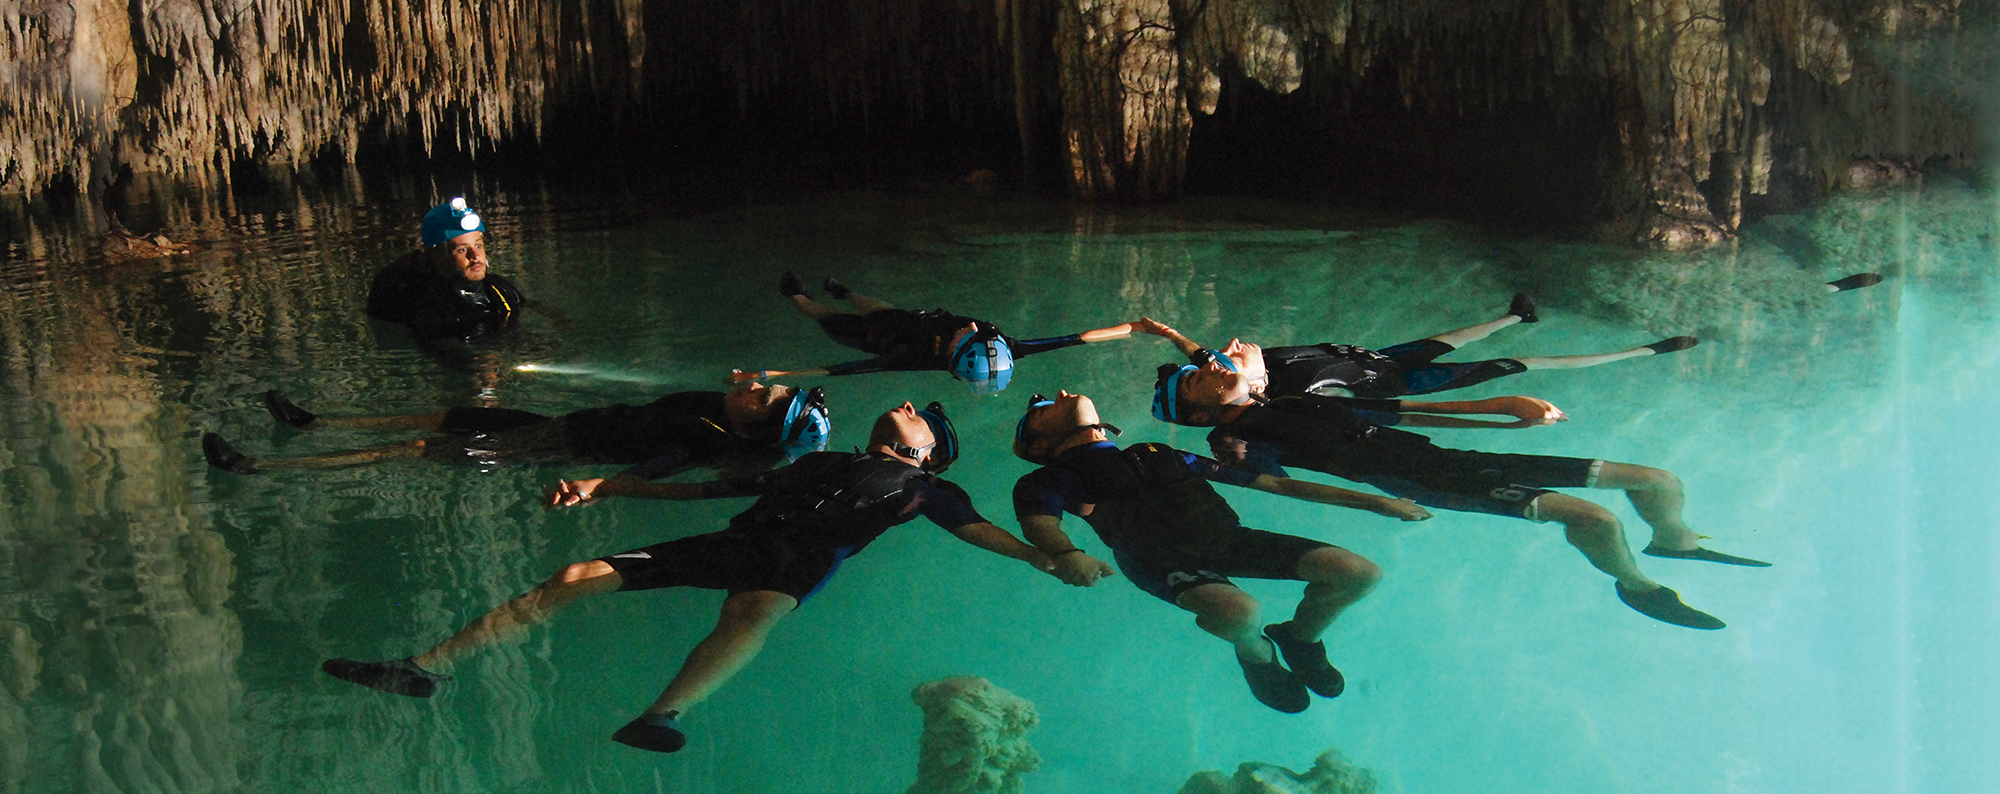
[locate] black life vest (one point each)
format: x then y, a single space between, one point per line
848 500
1312 369
1148 498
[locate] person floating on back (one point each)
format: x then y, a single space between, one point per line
808 518
1394 371
974 351
1179 541
445 289
1350 439
750 428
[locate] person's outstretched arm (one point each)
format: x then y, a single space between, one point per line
739 376
1341 497
999 541
1072 565
1148 325
573 492
1527 411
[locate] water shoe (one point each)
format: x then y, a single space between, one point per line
1665 605
1856 281
1308 662
225 457
396 676
789 285
1523 307
285 412
660 733
835 288
1672 344
1275 686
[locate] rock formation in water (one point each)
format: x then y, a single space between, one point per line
1693 105
975 738
1330 774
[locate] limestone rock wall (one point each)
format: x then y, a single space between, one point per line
975 738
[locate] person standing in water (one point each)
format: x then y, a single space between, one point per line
808 518
1350 439
445 289
1179 541
974 351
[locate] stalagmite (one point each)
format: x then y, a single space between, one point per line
975 738
1330 774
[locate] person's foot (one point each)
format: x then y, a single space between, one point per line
396 676
225 457
789 284
1275 686
1856 281
1664 605
835 288
1308 661
1672 344
660 733
285 412
1704 555
1523 307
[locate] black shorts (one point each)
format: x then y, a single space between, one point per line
1422 374
878 332
488 420
1484 482
543 442
739 562
1251 553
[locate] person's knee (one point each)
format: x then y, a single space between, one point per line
1583 522
1341 567
1228 610
1630 477
757 609
579 573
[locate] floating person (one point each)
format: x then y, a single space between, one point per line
1394 371
749 428
445 289
974 351
1179 541
1329 435
808 518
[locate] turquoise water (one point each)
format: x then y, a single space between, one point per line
163 622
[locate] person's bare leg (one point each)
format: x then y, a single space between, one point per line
867 304
406 450
812 308
514 617
739 634
1579 362
1460 337
1335 579
1657 495
1597 533
1227 612
429 422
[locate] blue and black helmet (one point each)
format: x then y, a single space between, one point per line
946 450
1167 392
449 220
983 359
1219 359
806 427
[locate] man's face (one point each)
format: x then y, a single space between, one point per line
1067 412
1213 387
911 430
463 257
755 404
1249 360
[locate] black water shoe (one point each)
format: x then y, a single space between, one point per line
1523 307
285 412
660 733
835 288
1673 344
1275 686
1704 555
789 285
396 676
1856 281
1308 662
1665 605
225 457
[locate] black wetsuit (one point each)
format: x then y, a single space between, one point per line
809 516
436 306
667 436
1153 505
907 341
1348 439
1408 368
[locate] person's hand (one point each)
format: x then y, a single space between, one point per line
1401 508
1148 325
1080 569
739 376
568 493
1229 450
1531 411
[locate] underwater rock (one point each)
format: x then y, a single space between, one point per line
1330 774
975 738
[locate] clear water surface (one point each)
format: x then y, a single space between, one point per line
163 623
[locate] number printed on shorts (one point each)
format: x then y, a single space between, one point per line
1508 494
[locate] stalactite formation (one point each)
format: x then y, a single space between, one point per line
1704 105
